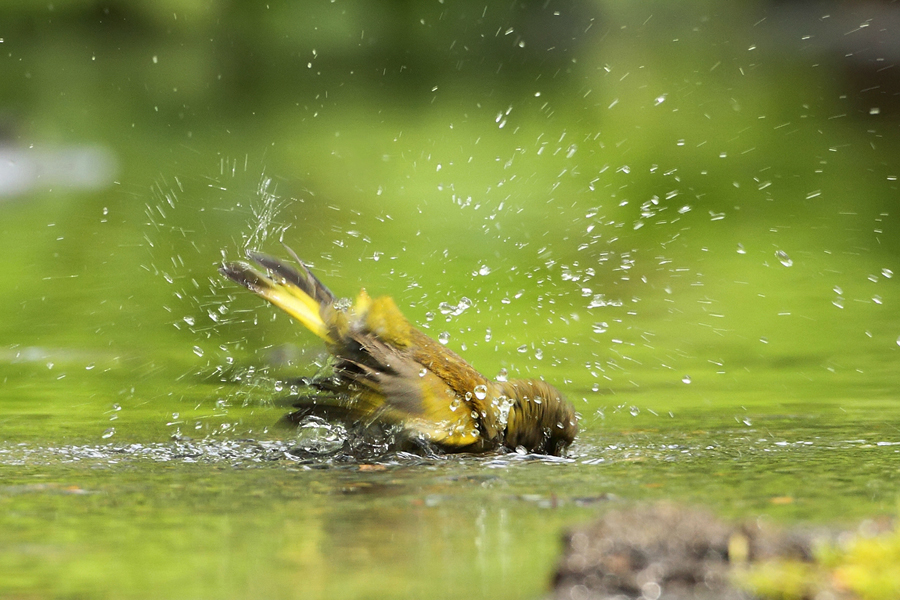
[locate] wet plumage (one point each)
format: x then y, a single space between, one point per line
388 372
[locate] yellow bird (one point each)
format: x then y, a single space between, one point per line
386 371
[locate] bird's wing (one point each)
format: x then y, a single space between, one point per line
300 295
399 390
303 278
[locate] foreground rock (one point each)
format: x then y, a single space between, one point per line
666 552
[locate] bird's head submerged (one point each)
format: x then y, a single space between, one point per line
540 419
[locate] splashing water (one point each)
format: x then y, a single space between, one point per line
265 211
503 405
783 258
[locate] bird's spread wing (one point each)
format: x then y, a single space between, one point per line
300 295
385 369
303 278
402 391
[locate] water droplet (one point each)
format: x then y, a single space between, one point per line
423 372
503 375
487 334
189 320
764 340
837 290
444 337
503 406
109 433
89 367
898 341
839 302
887 273
783 258
876 299
198 350
448 309
634 410
539 354
659 99
686 379
429 316
480 392
116 407
600 327
522 349
484 270
740 249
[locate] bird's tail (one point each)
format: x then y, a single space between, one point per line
297 292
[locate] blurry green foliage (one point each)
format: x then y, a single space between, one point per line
868 565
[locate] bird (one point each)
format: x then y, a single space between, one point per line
384 371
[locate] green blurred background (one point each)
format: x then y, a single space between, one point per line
682 214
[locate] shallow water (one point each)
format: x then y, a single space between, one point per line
238 512
150 464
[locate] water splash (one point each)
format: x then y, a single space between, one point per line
265 210
783 258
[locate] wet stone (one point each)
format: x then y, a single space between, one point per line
666 552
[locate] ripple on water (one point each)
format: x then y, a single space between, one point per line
248 452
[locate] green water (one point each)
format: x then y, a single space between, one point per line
690 233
